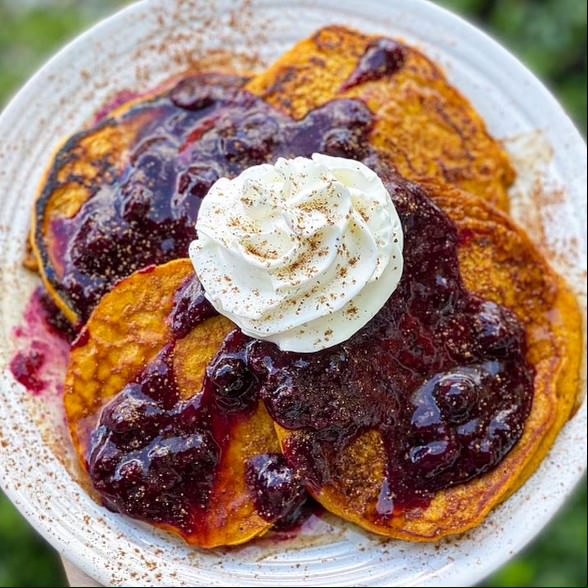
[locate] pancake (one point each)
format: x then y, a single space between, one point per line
112 402
423 124
86 162
512 271
85 234
499 263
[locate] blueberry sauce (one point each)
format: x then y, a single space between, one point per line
42 340
441 374
26 367
190 308
204 128
277 489
383 57
233 384
290 525
118 100
150 457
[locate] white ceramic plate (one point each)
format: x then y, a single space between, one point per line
149 42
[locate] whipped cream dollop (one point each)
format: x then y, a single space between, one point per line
302 253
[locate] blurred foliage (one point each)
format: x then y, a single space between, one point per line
557 558
548 35
25 559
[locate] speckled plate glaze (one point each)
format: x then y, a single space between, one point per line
154 40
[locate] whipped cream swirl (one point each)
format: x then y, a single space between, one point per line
302 253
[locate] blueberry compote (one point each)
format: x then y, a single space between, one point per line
277 489
155 456
43 340
383 57
204 128
439 372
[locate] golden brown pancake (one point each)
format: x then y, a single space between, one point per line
499 263
424 125
88 161
93 164
126 332
429 130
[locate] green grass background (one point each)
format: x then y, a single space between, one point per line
549 35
